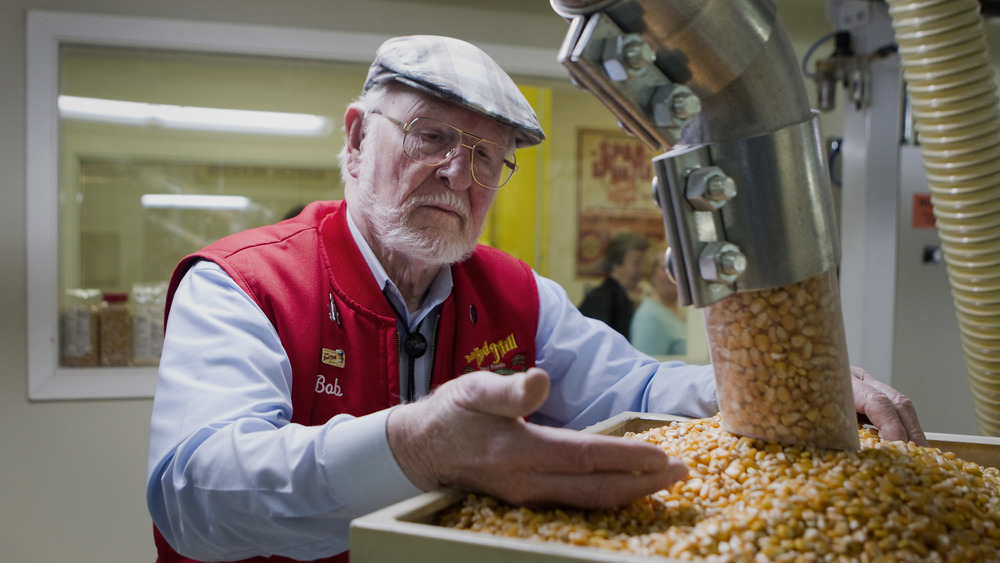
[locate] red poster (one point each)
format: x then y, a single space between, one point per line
615 194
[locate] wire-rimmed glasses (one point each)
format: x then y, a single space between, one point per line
431 142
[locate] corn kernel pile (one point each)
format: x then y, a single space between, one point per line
780 362
749 500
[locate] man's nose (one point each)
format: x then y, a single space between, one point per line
457 170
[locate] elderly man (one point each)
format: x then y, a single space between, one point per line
294 391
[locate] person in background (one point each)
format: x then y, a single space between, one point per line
610 302
366 350
658 325
293 211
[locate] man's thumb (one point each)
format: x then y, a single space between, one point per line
514 395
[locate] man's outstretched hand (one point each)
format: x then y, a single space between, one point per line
470 434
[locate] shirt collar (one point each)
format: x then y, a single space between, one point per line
439 290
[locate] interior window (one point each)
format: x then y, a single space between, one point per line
164 152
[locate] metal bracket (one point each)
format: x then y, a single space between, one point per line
748 214
620 70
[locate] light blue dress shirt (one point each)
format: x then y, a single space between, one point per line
229 477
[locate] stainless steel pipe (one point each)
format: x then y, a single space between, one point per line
745 195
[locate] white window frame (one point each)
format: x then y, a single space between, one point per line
46 31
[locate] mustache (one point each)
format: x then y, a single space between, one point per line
442 199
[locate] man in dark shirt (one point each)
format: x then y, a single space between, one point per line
622 264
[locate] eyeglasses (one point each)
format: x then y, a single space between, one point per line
431 142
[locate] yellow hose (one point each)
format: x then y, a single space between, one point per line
950 81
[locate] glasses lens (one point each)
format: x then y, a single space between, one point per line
429 141
492 164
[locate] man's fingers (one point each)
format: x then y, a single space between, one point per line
531 464
585 490
512 396
888 409
557 450
879 410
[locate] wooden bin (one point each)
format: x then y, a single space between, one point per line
405 531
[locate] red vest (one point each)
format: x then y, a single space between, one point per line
339 331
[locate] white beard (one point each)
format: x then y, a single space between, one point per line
388 223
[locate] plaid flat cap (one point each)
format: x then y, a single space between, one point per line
458 72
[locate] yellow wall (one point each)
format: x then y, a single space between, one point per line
516 223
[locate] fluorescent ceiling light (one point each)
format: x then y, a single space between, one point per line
195 201
190 117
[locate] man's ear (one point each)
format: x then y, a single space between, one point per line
354 120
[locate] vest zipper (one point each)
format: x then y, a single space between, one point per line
432 349
399 357
411 379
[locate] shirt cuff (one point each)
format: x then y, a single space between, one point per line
362 472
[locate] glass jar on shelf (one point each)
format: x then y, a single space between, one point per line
79 336
116 328
148 302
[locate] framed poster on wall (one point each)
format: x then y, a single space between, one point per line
615 178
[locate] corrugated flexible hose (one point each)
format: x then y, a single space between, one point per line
950 81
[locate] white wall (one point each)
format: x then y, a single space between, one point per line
71 473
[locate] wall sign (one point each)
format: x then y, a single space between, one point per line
615 194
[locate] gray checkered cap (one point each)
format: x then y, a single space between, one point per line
458 72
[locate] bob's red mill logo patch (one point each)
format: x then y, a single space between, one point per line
492 355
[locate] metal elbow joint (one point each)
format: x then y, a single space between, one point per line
714 84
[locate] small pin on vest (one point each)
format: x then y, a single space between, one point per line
333 358
473 314
334 312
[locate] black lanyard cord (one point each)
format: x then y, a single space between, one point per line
416 346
